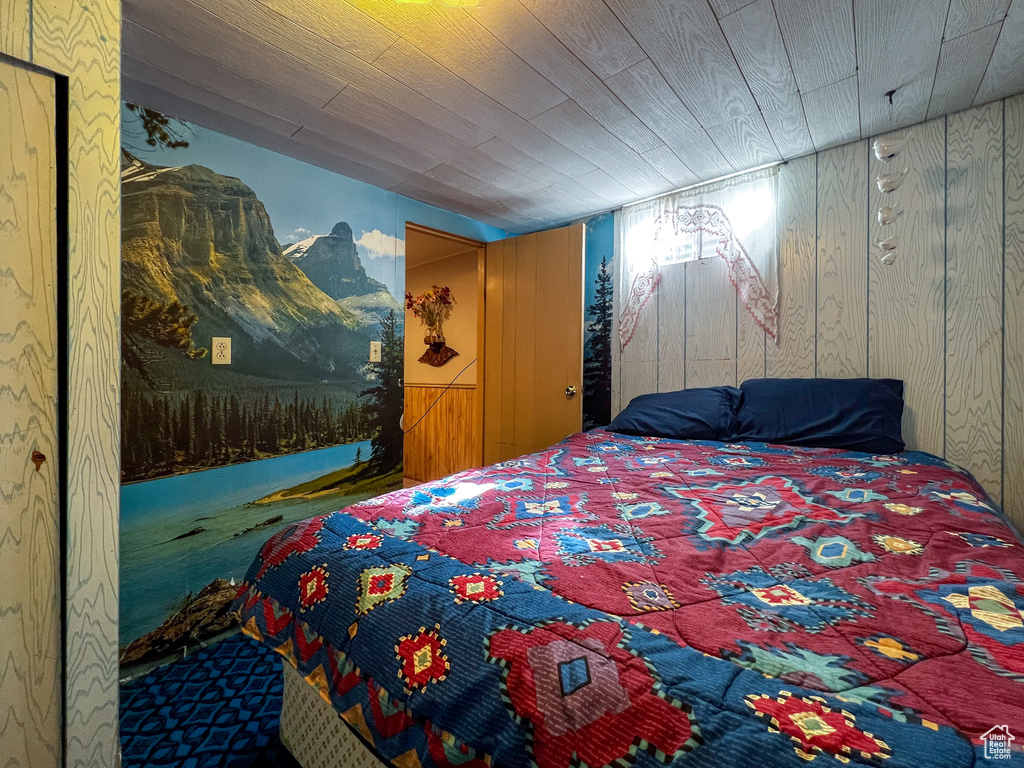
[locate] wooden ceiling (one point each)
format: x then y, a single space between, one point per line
527 113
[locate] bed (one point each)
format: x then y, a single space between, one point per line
621 601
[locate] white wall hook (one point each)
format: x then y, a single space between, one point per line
887 148
888 244
889 182
887 214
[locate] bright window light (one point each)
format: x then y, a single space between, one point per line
749 210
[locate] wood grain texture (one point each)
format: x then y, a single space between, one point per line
820 41
637 379
966 16
1005 73
145 73
569 125
690 49
832 114
842 268
526 311
667 163
551 344
751 359
591 31
84 41
745 141
754 36
1013 323
962 64
906 314
493 349
897 46
974 269
340 24
525 35
408 64
725 7
643 88
445 441
459 43
15 29
290 39
534 341
710 324
190 26
30 521
792 355
670 310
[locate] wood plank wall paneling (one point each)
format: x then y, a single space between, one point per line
445 441
842 261
906 300
16 28
524 340
1013 349
491 396
947 317
83 42
30 698
793 354
974 317
710 324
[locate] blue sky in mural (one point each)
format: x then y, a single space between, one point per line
304 200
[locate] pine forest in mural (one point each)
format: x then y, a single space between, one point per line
216 458
598 322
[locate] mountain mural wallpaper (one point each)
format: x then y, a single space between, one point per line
301 268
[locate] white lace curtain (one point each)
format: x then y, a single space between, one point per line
734 220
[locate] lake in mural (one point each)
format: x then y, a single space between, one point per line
192 529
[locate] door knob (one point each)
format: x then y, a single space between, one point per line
570 391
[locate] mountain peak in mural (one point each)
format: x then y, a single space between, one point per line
332 264
203 240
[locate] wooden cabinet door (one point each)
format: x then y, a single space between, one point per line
30 625
533 349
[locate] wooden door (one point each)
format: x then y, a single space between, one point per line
533 345
30 626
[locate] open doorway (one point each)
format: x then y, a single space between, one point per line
443 422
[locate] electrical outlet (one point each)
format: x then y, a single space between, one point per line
221 346
375 351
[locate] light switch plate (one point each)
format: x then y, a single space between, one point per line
221 346
374 351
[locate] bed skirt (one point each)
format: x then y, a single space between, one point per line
313 731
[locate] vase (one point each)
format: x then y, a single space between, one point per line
438 353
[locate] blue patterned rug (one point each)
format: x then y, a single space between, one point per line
218 708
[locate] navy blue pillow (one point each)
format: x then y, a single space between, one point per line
853 414
690 414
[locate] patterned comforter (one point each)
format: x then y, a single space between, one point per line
617 601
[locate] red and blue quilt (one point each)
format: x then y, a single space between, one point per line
627 601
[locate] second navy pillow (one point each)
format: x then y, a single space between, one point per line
853 414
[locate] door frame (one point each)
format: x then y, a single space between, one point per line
481 294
